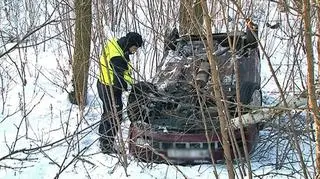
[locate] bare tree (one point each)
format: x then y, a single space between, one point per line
310 80
190 17
318 37
217 92
81 55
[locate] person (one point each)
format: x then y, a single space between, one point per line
115 73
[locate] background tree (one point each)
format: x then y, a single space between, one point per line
190 17
81 54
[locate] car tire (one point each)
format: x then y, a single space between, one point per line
250 94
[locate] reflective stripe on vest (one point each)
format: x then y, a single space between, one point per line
112 49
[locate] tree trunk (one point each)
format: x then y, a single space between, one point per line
80 65
318 39
314 104
190 17
310 80
217 92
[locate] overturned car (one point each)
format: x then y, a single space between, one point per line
174 118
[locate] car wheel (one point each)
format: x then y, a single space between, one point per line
250 94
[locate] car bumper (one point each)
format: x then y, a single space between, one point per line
176 147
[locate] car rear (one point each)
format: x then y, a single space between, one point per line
183 148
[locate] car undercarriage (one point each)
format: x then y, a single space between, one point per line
174 117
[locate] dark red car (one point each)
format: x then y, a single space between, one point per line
174 118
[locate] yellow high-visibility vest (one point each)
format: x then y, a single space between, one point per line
112 49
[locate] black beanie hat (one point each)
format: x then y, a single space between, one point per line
134 38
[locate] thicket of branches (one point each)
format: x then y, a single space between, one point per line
30 28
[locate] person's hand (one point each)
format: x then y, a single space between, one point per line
129 87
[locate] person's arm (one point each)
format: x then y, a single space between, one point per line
119 65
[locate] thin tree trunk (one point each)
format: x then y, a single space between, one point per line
314 104
318 37
310 80
217 92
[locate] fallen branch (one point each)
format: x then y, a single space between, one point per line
260 115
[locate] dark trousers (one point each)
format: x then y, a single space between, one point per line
108 127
